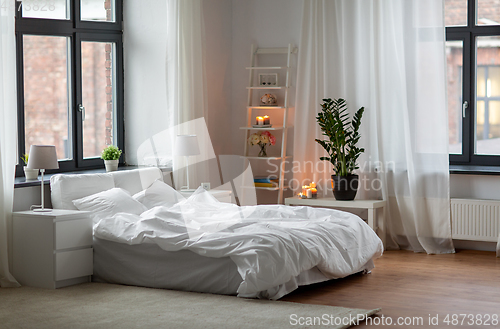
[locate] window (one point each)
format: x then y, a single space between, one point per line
70 78
473 62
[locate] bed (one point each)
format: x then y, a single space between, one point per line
147 234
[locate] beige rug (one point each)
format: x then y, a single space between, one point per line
97 305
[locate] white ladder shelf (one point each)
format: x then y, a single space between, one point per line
288 51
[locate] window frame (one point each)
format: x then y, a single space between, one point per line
467 34
77 31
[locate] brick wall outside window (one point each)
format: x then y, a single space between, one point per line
46 93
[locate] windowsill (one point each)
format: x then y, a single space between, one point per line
22 182
474 170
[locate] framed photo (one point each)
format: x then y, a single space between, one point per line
268 79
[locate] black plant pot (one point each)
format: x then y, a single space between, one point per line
345 187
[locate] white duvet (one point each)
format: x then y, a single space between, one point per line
270 244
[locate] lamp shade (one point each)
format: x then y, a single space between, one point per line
43 157
186 145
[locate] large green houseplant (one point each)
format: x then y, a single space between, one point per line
342 137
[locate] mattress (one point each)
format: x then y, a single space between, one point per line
147 265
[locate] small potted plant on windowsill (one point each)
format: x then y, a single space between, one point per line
110 155
30 174
342 138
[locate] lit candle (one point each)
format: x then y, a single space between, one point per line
304 189
309 193
267 120
260 121
314 192
312 185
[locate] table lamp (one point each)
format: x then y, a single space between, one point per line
43 157
186 145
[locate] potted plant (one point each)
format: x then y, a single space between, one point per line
341 141
30 174
110 155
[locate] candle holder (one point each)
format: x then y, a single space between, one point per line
262 122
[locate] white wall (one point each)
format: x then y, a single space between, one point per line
218 18
475 187
145 42
231 26
265 23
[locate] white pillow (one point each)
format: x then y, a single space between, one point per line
108 203
202 195
158 194
67 188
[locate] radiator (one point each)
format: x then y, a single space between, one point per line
477 220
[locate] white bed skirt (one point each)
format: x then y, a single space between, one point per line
147 265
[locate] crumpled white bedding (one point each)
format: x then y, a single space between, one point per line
270 244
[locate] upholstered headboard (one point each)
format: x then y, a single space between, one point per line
68 187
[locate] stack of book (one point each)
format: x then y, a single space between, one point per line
266 181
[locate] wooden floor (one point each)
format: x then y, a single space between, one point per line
407 284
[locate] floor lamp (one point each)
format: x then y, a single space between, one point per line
187 145
42 157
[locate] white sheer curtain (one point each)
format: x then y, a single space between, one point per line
186 84
389 57
8 119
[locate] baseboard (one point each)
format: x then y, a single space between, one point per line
475 245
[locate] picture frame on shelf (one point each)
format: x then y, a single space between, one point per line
268 79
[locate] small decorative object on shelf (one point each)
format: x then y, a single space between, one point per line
266 181
110 155
263 139
302 196
268 100
268 79
30 174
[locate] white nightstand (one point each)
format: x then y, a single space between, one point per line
52 249
221 195
371 205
